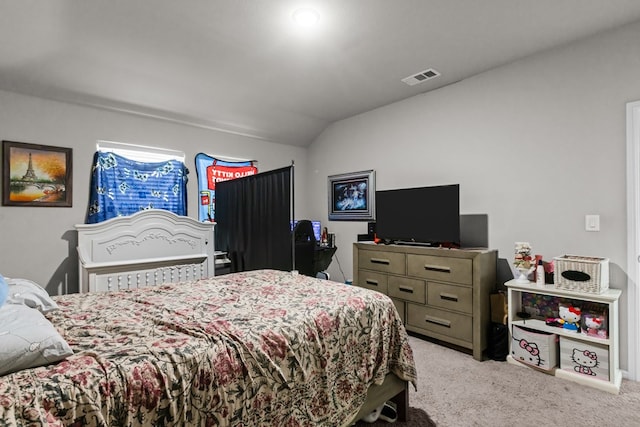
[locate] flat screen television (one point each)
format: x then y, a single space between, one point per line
422 215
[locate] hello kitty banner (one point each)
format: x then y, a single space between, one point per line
211 171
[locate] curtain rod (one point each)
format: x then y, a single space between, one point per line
230 158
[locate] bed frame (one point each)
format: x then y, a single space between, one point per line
155 246
394 389
150 247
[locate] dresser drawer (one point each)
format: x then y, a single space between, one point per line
372 280
388 262
442 295
442 322
458 270
408 289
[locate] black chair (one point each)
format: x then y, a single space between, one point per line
305 244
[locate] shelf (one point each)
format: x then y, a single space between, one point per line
540 325
608 386
605 297
608 298
611 386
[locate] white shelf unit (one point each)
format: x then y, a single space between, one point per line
609 298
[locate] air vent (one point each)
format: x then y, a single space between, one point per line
422 76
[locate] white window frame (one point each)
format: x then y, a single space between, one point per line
140 153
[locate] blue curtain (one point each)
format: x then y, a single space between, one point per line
121 187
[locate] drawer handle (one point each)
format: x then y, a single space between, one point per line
405 289
372 282
380 261
437 268
449 297
437 321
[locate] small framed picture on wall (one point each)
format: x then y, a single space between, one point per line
36 175
352 196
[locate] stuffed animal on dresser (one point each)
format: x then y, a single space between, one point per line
570 317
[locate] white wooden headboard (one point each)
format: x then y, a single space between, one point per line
148 248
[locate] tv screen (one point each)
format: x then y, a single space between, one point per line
421 215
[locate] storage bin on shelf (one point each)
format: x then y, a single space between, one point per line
582 273
585 358
535 348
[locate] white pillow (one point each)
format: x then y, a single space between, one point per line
28 339
23 291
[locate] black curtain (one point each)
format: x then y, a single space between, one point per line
253 217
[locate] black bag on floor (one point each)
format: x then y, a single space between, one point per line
498 342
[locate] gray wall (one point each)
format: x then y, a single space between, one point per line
535 144
40 243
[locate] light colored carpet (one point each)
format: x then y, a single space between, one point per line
456 390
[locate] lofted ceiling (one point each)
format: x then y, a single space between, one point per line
242 66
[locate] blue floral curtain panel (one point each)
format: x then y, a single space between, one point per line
120 187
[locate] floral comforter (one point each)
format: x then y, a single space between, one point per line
261 348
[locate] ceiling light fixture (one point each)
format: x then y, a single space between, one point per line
305 17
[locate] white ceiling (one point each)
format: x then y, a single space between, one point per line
242 67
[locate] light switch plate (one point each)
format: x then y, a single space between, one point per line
592 222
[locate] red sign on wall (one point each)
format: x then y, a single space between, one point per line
218 173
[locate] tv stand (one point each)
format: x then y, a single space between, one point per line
439 293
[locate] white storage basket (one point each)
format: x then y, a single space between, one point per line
581 273
535 348
586 358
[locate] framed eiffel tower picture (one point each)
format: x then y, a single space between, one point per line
36 175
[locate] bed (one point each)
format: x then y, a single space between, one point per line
257 348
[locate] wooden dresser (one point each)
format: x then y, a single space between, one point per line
439 293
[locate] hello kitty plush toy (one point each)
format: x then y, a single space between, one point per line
594 326
570 317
